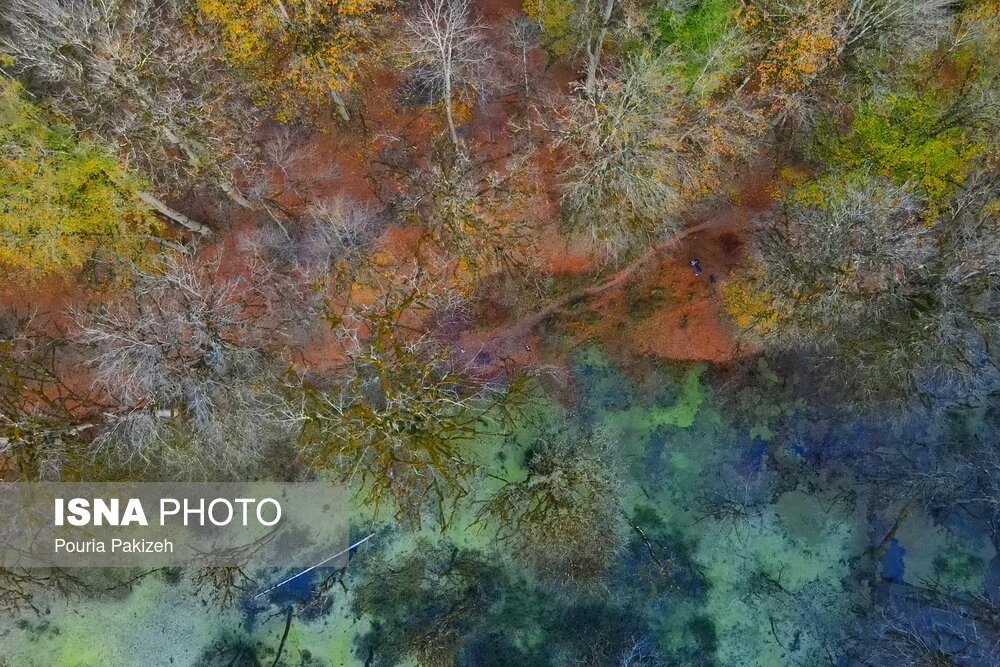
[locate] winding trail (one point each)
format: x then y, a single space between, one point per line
487 349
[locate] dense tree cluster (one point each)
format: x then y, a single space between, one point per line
66 203
882 262
377 243
135 78
563 518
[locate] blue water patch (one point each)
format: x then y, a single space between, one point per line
299 589
655 449
893 567
298 592
755 455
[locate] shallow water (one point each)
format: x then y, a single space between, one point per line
750 501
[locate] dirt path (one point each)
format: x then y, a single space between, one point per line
716 239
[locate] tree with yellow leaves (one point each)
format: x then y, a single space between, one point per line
791 45
131 76
63 201
297 49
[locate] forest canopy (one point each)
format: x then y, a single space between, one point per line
641 332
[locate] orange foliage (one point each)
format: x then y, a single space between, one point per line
295 48
799 46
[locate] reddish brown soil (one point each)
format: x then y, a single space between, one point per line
49 296
685 322
655 305
496 11
669 312
559 254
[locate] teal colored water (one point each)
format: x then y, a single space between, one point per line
749 540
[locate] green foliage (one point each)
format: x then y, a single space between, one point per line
63 201
555 17
698 34
958 569
692 394
906 137
697 29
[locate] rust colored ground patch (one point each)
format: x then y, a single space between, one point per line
689 325
655 305
560 254
667 311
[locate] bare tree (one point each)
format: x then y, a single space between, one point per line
437 595
333 241
29 589
131 74
287 152
578 27
397 418
641 653
472 212
338 228
188 360
847 259
564 518
44 420
326 247
946 634
524 36
625 169
957 475
885 25
449 53
889 302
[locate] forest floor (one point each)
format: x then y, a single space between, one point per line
654 305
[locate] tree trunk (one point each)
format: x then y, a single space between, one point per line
167 243
447 112
222 181
176 216
524 69
595 45
235 194
339 103
284 12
